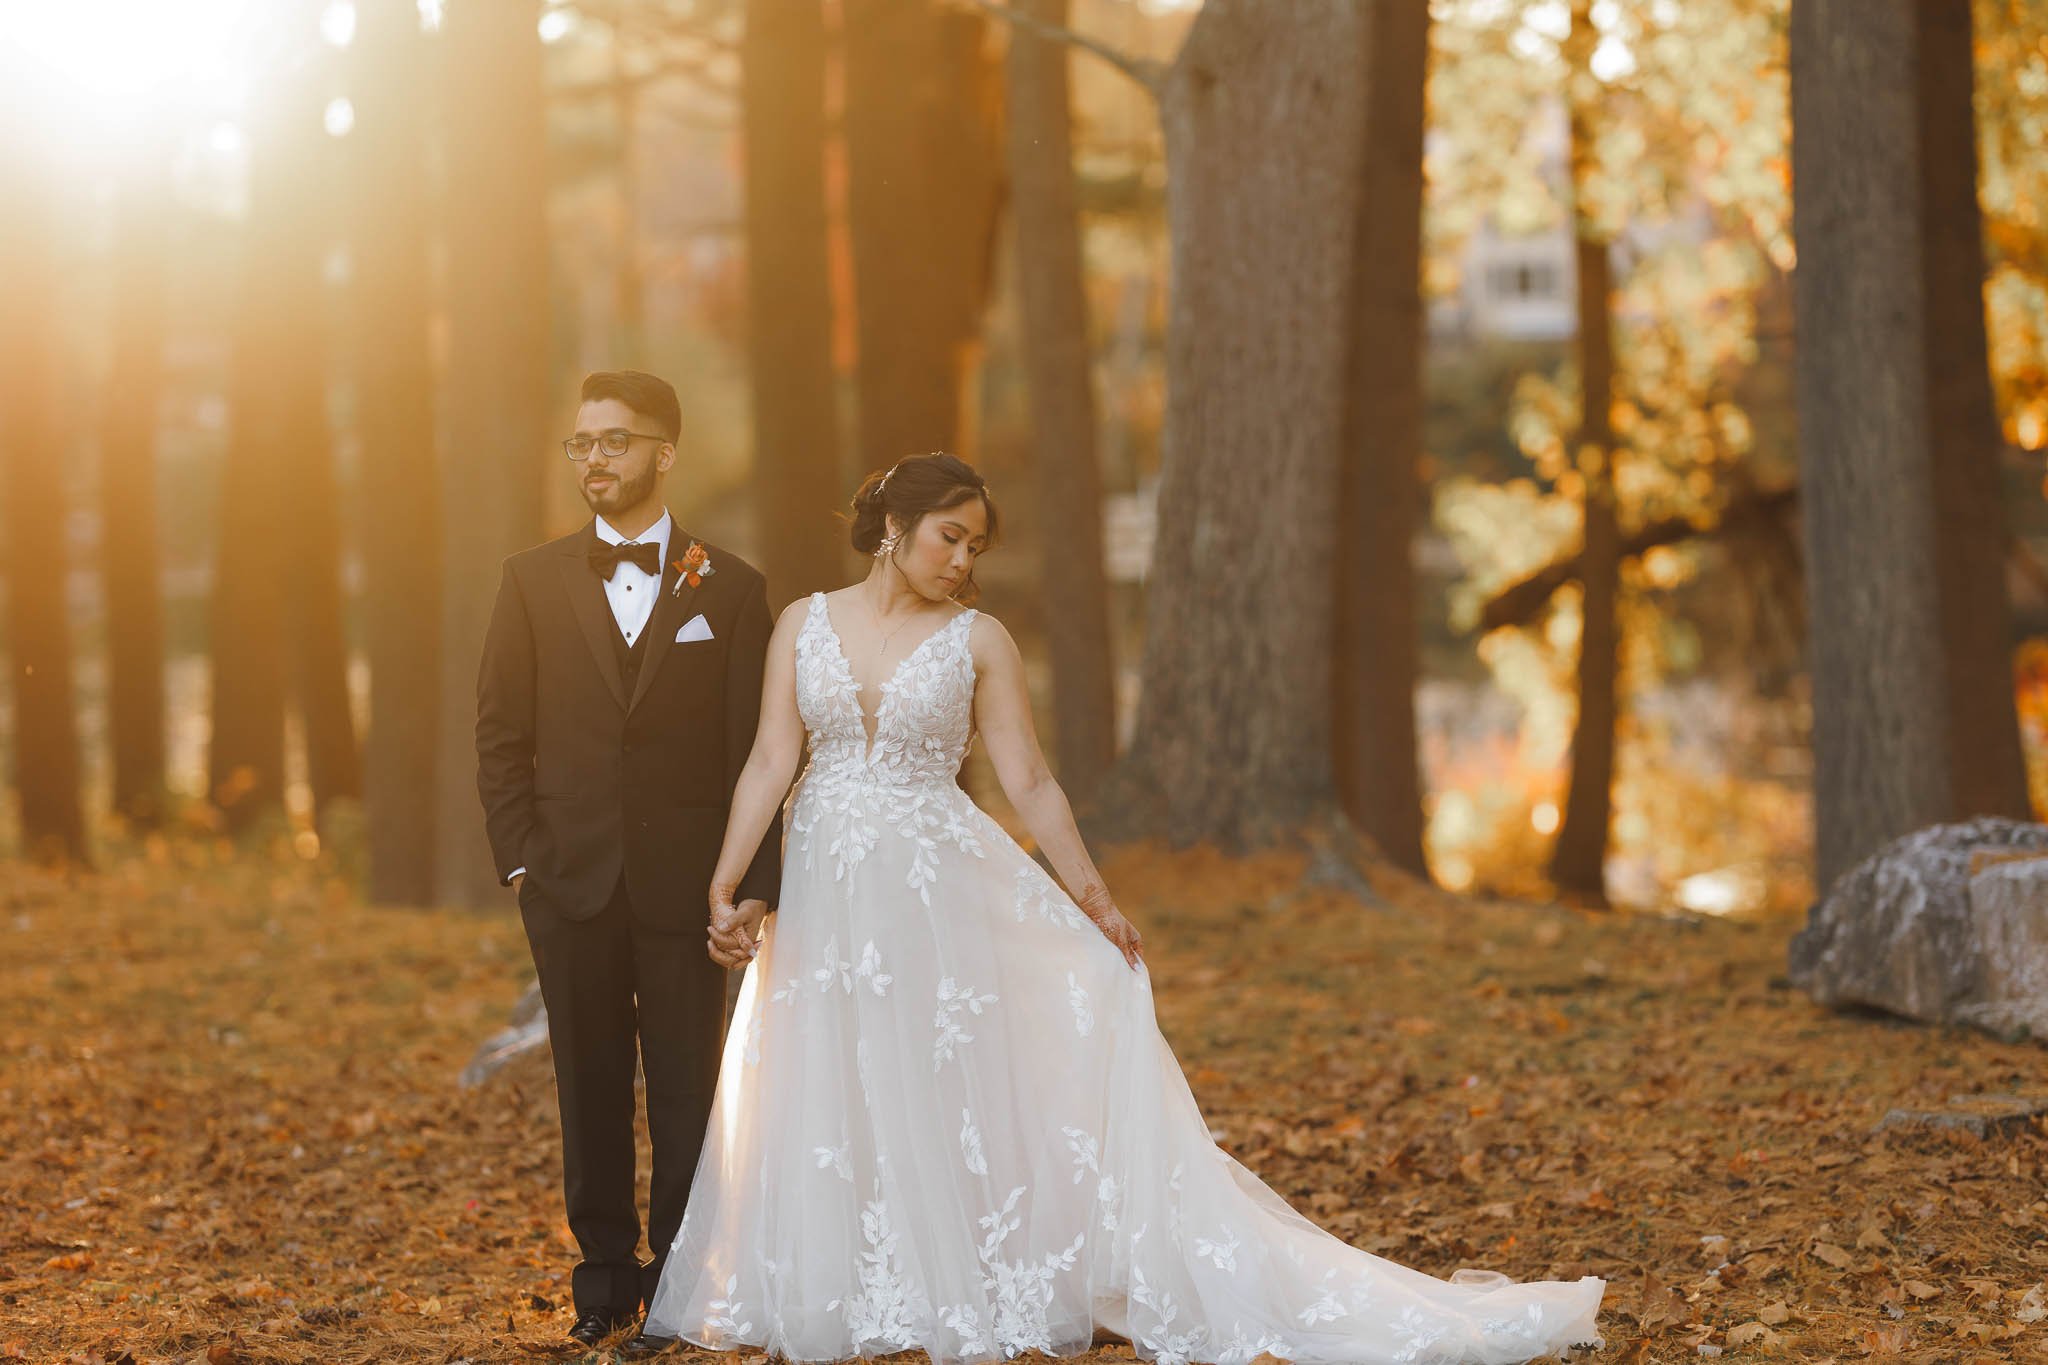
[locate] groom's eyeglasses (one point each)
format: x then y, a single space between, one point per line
613 442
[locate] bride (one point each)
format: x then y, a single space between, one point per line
946 1119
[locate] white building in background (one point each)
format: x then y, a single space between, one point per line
1512 287
1130 523
1523 286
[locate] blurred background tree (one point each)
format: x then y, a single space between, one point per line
498 377
390 222
1220 340
799 465
36 436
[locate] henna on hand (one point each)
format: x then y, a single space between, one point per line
1095 902
720 897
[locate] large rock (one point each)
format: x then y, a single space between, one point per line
2009 908
1910 931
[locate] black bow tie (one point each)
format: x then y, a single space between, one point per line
604 557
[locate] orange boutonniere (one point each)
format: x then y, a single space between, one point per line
693 568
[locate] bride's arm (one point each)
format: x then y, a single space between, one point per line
764 781
1002 712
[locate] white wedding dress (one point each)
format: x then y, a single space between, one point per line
947 1120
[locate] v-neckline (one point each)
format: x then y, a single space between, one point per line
882 688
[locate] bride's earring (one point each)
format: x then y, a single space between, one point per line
888 545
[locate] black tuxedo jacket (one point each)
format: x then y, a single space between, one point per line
582 780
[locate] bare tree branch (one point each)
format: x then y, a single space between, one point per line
604 89
1144 70
692 120
697 71
703 63
640 22
690 33
1519 603
2029 567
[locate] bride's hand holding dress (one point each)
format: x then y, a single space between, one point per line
1103 914
1002 716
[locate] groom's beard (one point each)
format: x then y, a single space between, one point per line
621 494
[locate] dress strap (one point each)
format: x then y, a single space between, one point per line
815 623
959 627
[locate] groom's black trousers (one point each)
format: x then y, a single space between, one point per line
610 982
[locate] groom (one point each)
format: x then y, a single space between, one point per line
617 700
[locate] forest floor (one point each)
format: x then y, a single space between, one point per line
230 1130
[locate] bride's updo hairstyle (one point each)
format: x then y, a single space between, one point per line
916 486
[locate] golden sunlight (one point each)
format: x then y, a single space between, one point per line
119 55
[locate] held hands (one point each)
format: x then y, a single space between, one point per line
1098 907
735 929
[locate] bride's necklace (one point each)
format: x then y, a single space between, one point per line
883 647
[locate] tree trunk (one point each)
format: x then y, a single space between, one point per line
394 393
1264 115
497 387
316 612
282 419
1056 365
629 283
257 567
245 760
1578 864
1879 694
789 300
1971 536
128 504
922 199
1377 639
32 442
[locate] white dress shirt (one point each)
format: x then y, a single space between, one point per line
630 592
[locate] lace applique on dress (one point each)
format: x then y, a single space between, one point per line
903 777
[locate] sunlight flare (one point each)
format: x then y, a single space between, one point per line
135 51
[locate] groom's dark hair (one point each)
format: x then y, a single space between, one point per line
646 394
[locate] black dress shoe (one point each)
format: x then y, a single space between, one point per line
595 1325
644 1347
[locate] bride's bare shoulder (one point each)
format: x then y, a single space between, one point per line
791 622
988 638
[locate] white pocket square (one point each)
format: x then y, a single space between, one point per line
696 628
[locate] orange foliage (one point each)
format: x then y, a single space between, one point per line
231 1132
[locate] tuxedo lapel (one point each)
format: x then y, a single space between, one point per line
671 609
593 613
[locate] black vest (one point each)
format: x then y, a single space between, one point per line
629 656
